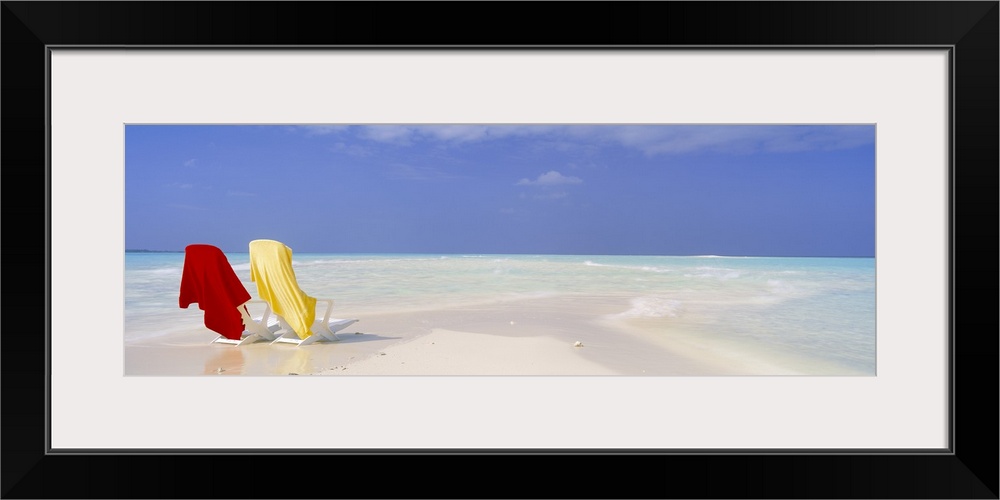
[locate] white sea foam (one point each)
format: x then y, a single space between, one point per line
779 286
652 307
169 271
363 261
715 273
652 269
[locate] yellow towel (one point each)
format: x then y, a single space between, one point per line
271 270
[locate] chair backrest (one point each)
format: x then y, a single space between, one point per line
208 279
271 269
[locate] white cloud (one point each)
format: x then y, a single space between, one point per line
406 135
550 178
312 130
732 139
471 133
394 134
190 163
648 139
458 133
351 149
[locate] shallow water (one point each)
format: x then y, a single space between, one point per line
815 315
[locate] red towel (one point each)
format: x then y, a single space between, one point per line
209 280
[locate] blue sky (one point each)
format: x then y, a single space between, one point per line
547 189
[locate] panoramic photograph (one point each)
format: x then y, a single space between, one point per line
640 250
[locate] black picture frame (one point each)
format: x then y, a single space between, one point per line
969 470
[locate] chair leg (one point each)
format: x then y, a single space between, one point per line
249 339
329 335
309 340
290 338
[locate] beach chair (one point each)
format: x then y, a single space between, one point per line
271 269
209 280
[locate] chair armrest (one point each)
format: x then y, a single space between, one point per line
267 309
329 310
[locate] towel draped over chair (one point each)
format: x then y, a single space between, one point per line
271 270
208 279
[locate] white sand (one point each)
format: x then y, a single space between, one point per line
445 352
528 337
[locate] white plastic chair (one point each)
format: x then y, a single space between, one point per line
257 329
271 269
209 280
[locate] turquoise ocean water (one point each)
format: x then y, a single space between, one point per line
816 308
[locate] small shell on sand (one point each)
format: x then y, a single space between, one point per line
578 344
